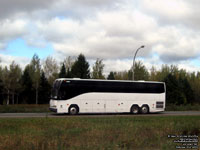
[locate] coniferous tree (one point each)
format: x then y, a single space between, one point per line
1 92
80 68
44 90
194 81
186 89
111 76
174 92
27 94
62 73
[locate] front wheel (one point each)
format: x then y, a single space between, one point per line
135 109
73 110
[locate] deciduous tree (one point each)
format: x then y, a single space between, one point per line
15 73
140 72
7 83
35 69
50 69
98 67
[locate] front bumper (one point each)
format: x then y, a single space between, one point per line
53 109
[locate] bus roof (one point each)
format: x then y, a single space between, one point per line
79 79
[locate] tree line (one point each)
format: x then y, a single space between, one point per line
32 85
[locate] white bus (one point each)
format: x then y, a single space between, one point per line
75 96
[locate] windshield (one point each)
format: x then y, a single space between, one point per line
55 89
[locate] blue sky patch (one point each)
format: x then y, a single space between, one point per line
19 47
195 62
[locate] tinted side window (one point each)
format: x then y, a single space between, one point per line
75 88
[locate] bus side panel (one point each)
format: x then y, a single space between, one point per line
116 102
111 102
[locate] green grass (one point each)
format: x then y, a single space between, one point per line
95 133
24 108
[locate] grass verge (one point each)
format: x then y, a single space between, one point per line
24 108
96 133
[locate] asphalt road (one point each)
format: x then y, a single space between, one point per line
43 115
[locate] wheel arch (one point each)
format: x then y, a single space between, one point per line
74 105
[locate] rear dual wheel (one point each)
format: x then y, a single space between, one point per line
135 109
144 109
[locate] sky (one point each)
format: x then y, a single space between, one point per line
111 30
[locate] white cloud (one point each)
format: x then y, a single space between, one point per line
188 67
169 9
117 65
11 30
102 36
178 12
107 29
127 24
15 8
6 60
176 44
57 30
118 34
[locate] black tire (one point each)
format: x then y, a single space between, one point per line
135 109
145 109
73 110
